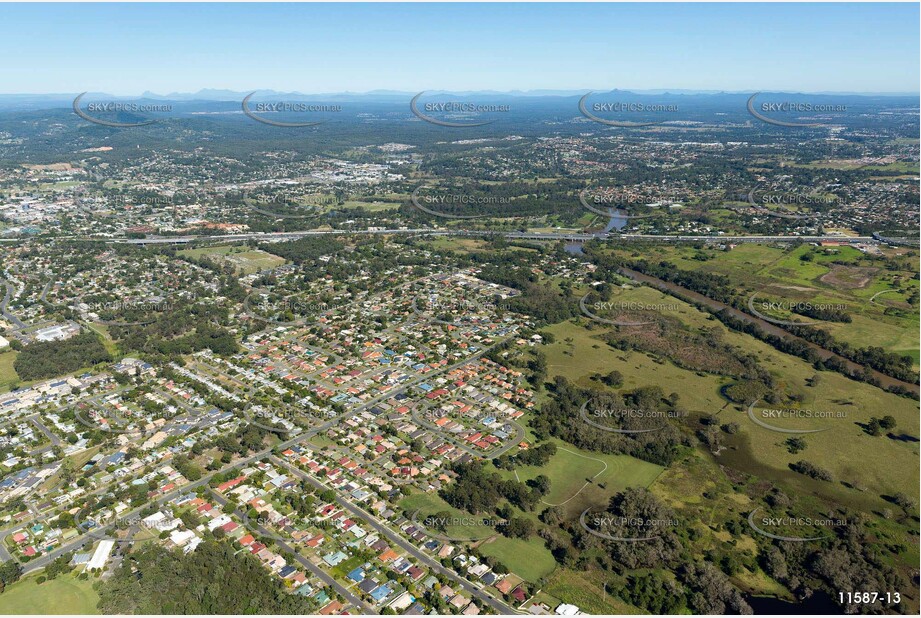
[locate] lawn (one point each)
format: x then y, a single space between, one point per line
254 260
869 330
588 591
63 595
458 245
430 504
246 260
530 559
576 477
8 376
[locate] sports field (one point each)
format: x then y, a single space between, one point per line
246 260
63 595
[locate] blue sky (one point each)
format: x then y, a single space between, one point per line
130 48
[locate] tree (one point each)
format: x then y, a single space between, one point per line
795 445
518 527
887 422
542 483
10 572
552 516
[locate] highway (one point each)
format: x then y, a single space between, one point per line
552 236
545 236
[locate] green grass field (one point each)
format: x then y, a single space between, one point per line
8 376
376 206
63 595
885 466
586 590
835 275
246 260
530 559
430 504
577 354
576 476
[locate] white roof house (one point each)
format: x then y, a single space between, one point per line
101 555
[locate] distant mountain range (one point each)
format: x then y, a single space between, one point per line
55 100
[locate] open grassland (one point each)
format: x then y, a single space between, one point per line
64 594
871 466
580 479
578 353
244 259
429 504
875 297
8 375
458 245
375 206
530 559
587 590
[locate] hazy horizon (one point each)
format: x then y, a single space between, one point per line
348 48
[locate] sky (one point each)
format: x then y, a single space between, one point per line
127 49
